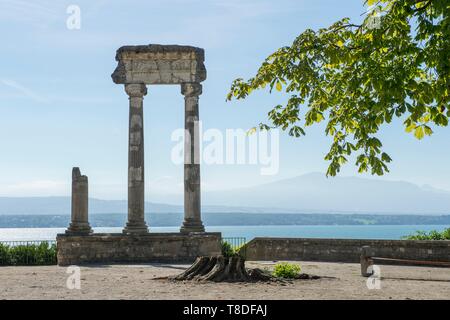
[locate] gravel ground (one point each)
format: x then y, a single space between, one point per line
343 281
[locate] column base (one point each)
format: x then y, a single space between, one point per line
135 229
191 226
79 229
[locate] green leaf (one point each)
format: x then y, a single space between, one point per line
428 131
420 4
411 127
385 157
278 86
251 131
419 133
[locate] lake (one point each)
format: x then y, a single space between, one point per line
250 232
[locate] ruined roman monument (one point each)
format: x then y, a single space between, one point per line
139 66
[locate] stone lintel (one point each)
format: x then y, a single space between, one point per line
159 64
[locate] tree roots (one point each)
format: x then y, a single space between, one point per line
227 269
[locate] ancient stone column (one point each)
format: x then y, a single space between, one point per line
80 223
136 220
192 211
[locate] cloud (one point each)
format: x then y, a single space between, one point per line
24 90
36 188
37 12
60 98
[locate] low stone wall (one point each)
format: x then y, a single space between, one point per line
120 248
343 250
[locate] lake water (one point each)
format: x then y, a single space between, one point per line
249 232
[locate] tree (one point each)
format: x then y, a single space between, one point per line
358 77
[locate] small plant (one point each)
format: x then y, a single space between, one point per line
227 249
432 235
230 250
286 270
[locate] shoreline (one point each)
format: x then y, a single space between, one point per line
381 232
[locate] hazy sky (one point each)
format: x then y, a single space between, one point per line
59 107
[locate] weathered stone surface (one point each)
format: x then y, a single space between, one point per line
136 217
366 262
192 194
159 64
80 204
162 64
137 67
151 247
344 250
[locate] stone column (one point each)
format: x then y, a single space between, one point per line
80 223
192 211
136 220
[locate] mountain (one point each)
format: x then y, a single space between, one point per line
310 193
228 219
61 206
315 192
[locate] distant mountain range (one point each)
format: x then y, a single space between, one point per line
61 206
228 219
315 192
310 193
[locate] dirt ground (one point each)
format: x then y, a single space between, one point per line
137 282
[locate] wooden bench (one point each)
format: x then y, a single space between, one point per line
368 259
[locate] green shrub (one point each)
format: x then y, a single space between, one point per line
432 235
23 255
286 270
227 249
4 255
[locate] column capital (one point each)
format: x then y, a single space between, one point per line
136 89
191 89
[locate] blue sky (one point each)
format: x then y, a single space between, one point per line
59 107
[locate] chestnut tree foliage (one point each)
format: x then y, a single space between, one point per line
357 77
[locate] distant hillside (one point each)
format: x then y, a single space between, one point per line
226 219
310 193
316 193
61 206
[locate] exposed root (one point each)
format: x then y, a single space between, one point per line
216 268
228 269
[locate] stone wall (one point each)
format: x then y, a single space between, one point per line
343 250
151 247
